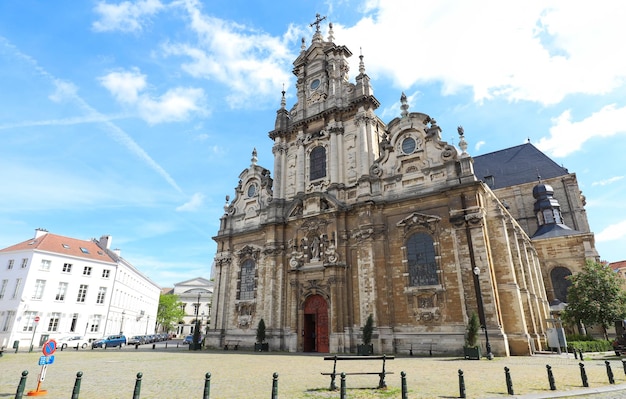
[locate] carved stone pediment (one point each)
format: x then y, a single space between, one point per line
429 222
249 252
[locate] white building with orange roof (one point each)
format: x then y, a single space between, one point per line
53 286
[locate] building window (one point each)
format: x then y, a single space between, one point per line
10 265
8 320
82 293
421 260
45 264
40 286
3 287
560 282
53 325
95 323
24 263
84 250
67 268
18 285
29 321
102 292
106 273
87 271
74 322
61 291
318 163
246 280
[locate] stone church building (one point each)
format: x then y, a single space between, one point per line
362 217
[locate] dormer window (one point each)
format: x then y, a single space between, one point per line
408 145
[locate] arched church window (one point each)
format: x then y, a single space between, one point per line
421 260
246 280
318 163
560 283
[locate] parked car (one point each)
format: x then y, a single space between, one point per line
110 342
137 340
189 339
72 341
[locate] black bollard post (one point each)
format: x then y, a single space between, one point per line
583 375
624 365
22 385
207 385
575 353
275 386
342 389
137 390
509 381
405 394
461 384
580 353
550 378
411 350
76 390
609 372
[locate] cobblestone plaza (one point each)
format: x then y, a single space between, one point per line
176 372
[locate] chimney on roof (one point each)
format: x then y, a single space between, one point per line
117 252
105 241
40 232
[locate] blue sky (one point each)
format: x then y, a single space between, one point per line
135 118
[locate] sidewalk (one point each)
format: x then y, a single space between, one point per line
176 372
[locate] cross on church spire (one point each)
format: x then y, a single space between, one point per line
318 19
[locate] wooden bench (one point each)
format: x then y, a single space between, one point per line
381 374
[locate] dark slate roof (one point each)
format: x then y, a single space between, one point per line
516 165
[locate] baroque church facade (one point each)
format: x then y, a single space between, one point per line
363 217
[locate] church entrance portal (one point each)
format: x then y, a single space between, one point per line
315 325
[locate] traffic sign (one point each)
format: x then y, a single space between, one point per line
37 319
49 347
46 360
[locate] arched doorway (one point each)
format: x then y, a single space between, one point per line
315 326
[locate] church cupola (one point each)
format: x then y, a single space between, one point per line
548 213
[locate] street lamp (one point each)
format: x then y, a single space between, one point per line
122 323
481 311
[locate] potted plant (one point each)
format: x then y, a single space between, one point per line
367 348
261 345
471 349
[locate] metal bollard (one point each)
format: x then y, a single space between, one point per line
575 353
609 372
275 386
76 390
22 385
580 353
342 389
405 394
137 390
509 381
624 365
551 378
583 375
207 386
461 384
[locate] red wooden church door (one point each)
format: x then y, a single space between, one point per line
315 331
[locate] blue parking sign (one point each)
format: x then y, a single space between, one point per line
46 360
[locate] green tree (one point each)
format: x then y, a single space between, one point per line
595 297
169 312
473 327
260 332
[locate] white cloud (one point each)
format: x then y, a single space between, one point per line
607 181
567 136
126 16
194 204
479 144
613 232
176 104
539 51
250 63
